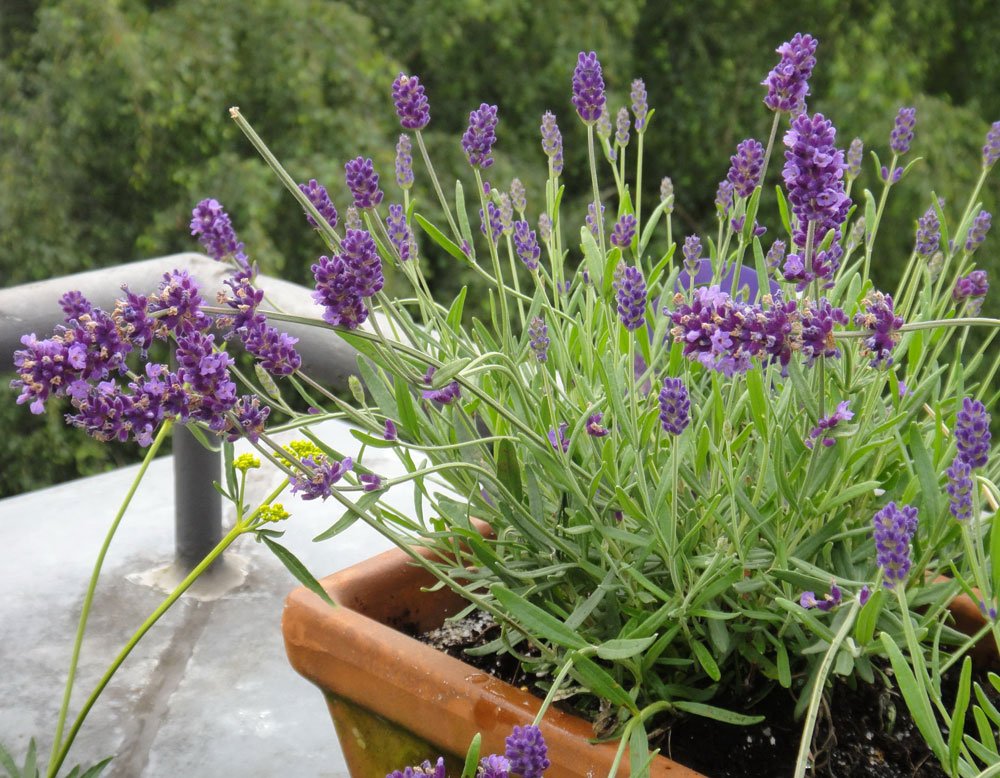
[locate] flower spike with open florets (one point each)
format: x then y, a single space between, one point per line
788 84
478 140
410 101
588 87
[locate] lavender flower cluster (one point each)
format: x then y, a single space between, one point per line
525 755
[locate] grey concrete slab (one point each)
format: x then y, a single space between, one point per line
208 692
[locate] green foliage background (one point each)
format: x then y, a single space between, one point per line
114 120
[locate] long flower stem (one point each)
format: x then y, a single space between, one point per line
88 599
437 187
182 587
598 216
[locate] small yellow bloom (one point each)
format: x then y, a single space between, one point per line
246 462
275 512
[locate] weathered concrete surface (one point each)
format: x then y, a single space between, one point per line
208 692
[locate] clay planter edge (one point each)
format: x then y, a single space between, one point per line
362 664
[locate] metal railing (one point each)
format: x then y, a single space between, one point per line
35 308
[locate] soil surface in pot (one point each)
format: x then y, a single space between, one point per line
865 731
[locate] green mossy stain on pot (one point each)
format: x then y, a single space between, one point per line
373 746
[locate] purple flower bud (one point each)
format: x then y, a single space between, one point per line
828 603
991 151
544 226
594 428
788 84
444 396
424 770
928 233
527 752
972 433
526 245
390 432
775 255
495 222
588 87
894 530
493 766
518 198
250 418
960 488
640 106
362 180
319 197
370 482
745 167
724 198
902 131
404 162
892 179
882 324
506 210
622 125
667 193
624 231
337 291
631 291
817 331
478 140
538 334
603 127
675 406
692 253
854 156
977 232
352 219
552 143
864 595
400 234
559 440
828 423
592 217
814 177
972 288
411 102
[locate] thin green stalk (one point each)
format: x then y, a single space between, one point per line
873 229
770 146
88 599
598 217
638 186
182 587
437 187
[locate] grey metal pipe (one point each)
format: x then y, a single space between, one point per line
197 505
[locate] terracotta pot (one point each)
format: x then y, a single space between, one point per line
396 701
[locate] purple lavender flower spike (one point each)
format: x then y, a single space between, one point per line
991 150
337 291
478 140
972 433
75 305
830 600
855 153
631 291
640 104
594 427
211 223
624 231
745 167
882 324
206 372
423 770
592 218
273 349
588 87
788 84
179 297
362 180
526 245
390 433
775 255
131 316
977 232
494 221
817 331
518 197
902 131
559 439
972 289
825 425
399 233
538 335
675 406
724 198
692 253
359 251
960 488
814 177
404 162
411 102
864 595
622 125
250 417
552 143
319 197
894 530
493 766
318 484
928 233
527 752
544 226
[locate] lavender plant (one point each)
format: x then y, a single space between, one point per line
808 433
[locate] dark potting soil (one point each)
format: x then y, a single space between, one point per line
864 731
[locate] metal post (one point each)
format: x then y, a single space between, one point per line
197 505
